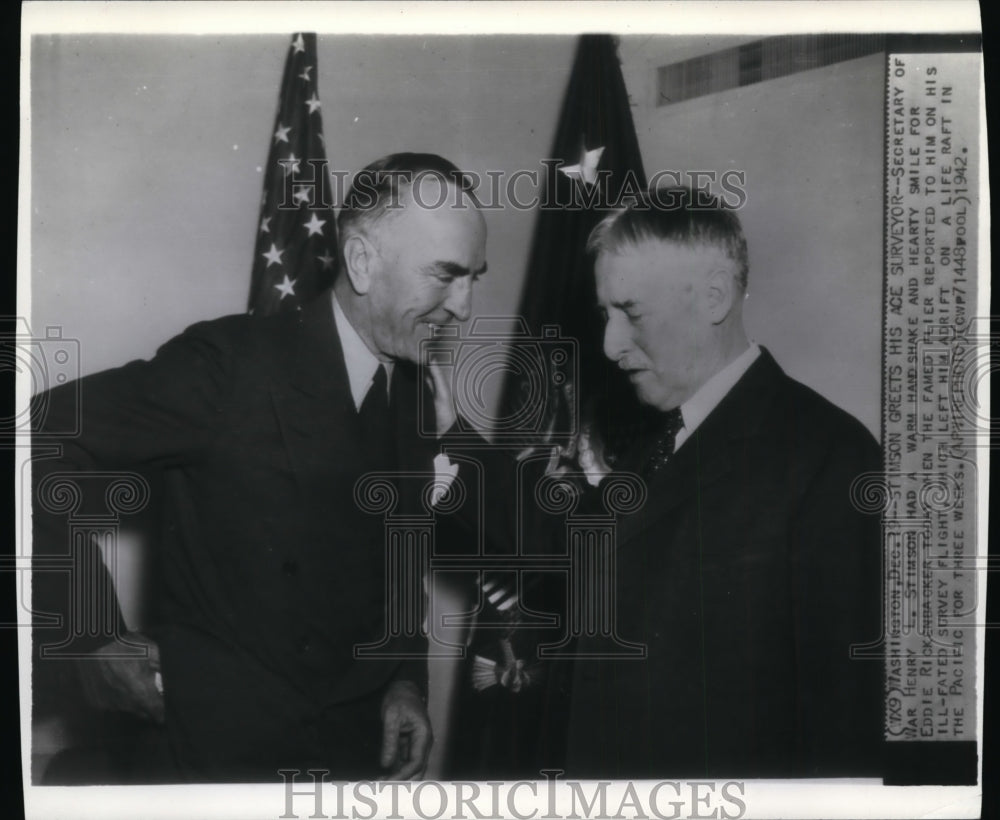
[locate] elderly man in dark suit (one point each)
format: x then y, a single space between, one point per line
747 573
272 574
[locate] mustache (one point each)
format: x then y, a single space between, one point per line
628 364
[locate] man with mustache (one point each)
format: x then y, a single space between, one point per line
272 573
747 573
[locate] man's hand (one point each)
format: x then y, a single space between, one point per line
124 684
406 732
440 376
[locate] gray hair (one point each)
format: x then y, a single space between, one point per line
679 215
377 187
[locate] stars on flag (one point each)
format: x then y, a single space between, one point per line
291 265
290 164
314 225
273 256
286 287
586 168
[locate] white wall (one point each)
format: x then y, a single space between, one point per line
811 146
146 185
146 181
146 178
147 154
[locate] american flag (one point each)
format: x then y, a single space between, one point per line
295 256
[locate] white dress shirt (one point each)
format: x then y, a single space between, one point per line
362 365
360 361
696 409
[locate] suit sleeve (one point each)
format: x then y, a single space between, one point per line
837 575
147 413
143 415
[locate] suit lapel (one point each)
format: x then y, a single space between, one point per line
707 456
311 392
695 464
312 398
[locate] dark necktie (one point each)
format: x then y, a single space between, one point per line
374 410
663 450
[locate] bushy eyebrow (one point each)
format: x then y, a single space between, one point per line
454 269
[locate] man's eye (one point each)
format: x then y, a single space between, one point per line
632 316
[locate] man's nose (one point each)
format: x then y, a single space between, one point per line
459 299
615 340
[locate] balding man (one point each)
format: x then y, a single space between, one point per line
272 573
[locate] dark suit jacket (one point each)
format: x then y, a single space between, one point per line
748 574
271 571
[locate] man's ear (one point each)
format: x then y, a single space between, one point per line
722 293
359 258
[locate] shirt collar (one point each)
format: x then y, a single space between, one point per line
360 361
696 409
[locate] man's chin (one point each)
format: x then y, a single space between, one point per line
643 384
416 350
424 333
651 397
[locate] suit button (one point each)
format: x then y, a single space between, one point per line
290 568
303 645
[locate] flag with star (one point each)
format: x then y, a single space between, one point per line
594 166
513 706
296 248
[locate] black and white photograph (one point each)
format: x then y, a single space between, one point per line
554 410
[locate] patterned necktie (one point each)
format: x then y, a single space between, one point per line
663 451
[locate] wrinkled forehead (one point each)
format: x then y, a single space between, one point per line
448 230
